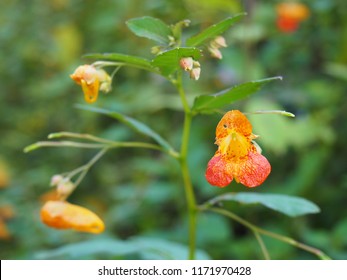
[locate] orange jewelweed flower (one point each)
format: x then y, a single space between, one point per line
290 14
92 80
64 215
237 157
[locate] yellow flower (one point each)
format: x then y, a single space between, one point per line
92 80
64 215
237 157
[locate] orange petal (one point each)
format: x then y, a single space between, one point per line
63 215
253 171
293 10
90 91
216 172
236 121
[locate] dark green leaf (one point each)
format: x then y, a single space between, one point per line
168 62
208 103
132 123
128 60
151 28
213 31
289 205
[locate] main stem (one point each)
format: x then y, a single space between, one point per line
188 187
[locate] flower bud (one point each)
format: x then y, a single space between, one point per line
56 179
186 63
216 53
65 188
196 64
195 73
219 42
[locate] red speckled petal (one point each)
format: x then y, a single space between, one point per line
253 171
216 172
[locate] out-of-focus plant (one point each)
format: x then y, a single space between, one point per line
238 156
290 14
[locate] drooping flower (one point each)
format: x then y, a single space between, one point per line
64 215
91 80
237 157
290 14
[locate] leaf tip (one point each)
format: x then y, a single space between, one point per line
288 114
30 148
52 135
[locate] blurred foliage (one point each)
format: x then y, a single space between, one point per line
137 192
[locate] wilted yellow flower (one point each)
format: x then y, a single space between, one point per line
92 80
64 215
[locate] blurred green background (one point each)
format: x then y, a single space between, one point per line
138 193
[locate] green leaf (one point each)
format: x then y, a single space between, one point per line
90 249
103 247
211 102
132 123
151 28
144 247
155 248
129 60
213 30
289 205
168 62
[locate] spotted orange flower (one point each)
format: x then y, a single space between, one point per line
64 215
290 14
91 80
237 157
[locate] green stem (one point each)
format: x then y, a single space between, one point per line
180 89
88 165
104 144
188 187
79 136
282 238
83 170
262 245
